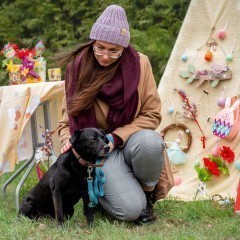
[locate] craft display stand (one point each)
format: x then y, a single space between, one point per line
30 163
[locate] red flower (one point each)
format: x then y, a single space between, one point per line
211 166
14 46
22 53
227 154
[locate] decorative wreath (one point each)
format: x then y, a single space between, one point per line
182 127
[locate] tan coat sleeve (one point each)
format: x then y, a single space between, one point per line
148 113
63 131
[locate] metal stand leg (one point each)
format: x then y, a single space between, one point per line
25 165
23 179
16 174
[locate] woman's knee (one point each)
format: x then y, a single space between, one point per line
129 211
145 144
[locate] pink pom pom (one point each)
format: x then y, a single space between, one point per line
221 102
216 151
177 180
222 34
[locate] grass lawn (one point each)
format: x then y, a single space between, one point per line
176 220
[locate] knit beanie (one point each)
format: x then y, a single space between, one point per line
112 27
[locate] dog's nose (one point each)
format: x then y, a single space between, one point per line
106 148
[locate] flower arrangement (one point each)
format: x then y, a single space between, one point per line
24 65
215 165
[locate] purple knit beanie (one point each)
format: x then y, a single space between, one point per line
112 27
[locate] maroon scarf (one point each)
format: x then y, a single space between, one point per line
120 93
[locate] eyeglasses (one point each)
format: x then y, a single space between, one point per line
112 54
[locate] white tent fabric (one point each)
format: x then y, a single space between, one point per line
201 17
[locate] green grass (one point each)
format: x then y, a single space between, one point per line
176 220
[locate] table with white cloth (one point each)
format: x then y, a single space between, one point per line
24 111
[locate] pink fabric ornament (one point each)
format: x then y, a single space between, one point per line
221 101
177 180
216 151
222 33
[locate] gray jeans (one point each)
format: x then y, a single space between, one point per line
140 161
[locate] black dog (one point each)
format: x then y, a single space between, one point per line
62 186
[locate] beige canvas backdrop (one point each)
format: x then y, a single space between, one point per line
201 16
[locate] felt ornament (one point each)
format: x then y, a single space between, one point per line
170 109
221 101
177 180
183 128
227 121
229 57
175 153
216 149
237 164
216 74
185 56
222 33
208 56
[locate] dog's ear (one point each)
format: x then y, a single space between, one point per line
75 136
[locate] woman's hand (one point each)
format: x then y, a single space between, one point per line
111 142
66 147
111 147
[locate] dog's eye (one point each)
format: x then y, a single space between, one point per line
103 138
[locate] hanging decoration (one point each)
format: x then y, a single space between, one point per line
237 164
226 123
183 128
191 113
44 152
217 72
185 56
216 149
175 151
222 32
171 108
221 101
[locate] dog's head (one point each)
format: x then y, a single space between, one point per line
28 209
90 143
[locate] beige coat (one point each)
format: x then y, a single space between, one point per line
147 117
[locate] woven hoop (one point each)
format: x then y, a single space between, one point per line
182 127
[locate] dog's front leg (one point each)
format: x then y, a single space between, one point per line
88 211
57 202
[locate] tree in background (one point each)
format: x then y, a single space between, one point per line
61 24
